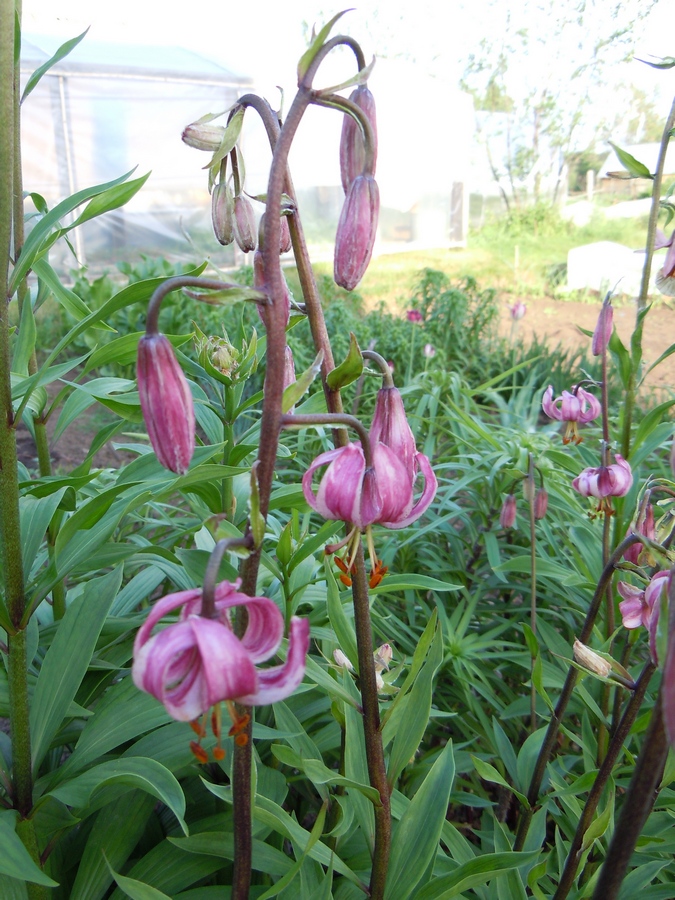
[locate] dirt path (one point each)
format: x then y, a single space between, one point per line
558 321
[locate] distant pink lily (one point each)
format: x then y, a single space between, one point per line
197 662
578 407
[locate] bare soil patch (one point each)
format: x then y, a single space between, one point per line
558 322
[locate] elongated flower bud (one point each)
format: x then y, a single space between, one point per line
603 328
244 223
222 213
540 503
356 232
352 144
591 660
507 517
203 136
166 403
285 243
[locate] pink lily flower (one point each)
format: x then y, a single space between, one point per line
665 277
604 482
576 407
198 662
518 310
644 526
642 607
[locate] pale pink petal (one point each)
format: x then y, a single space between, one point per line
390 426
428 494
549 406
278 682
590 406
395 482
570 408
162 608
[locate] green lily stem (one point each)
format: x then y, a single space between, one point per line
554 725
616 744
377 770
533 593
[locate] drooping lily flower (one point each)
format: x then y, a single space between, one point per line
604 482
197 662
665 277
576 407
642 606
166 403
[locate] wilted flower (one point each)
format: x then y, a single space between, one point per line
590 659
605 481
203 136
244 223
507 516
222 213
576 407
166 403
518 310
429 351
665 277
199 662
540 503
356 232
642 606
603 328
644 526
352 144
383 656
414 315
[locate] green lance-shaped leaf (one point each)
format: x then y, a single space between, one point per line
416 838
317 830
411 718
230 138
488 773
343 628
663 62
36 244
296 391
137 772
60 54
635 168
15 860
135 889
317 43
68 658
25 344
474 873
348 370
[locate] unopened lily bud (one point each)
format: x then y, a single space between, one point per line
166 403
540 503
356 232
352 144
222 213
507 517
591 660
203 136
383 656
603 328
342 660
285 243
244 223
224 356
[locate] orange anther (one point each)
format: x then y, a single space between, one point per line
346 580
340 563
239 725
218 753
241 740
199 752
198 728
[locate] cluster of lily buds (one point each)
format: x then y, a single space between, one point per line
198 662
641 606
576 408
352 144
603 328
605 481
665 277
384 492
166 403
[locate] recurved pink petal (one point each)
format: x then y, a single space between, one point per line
428 494
633 609
589 407
549 406
278 682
